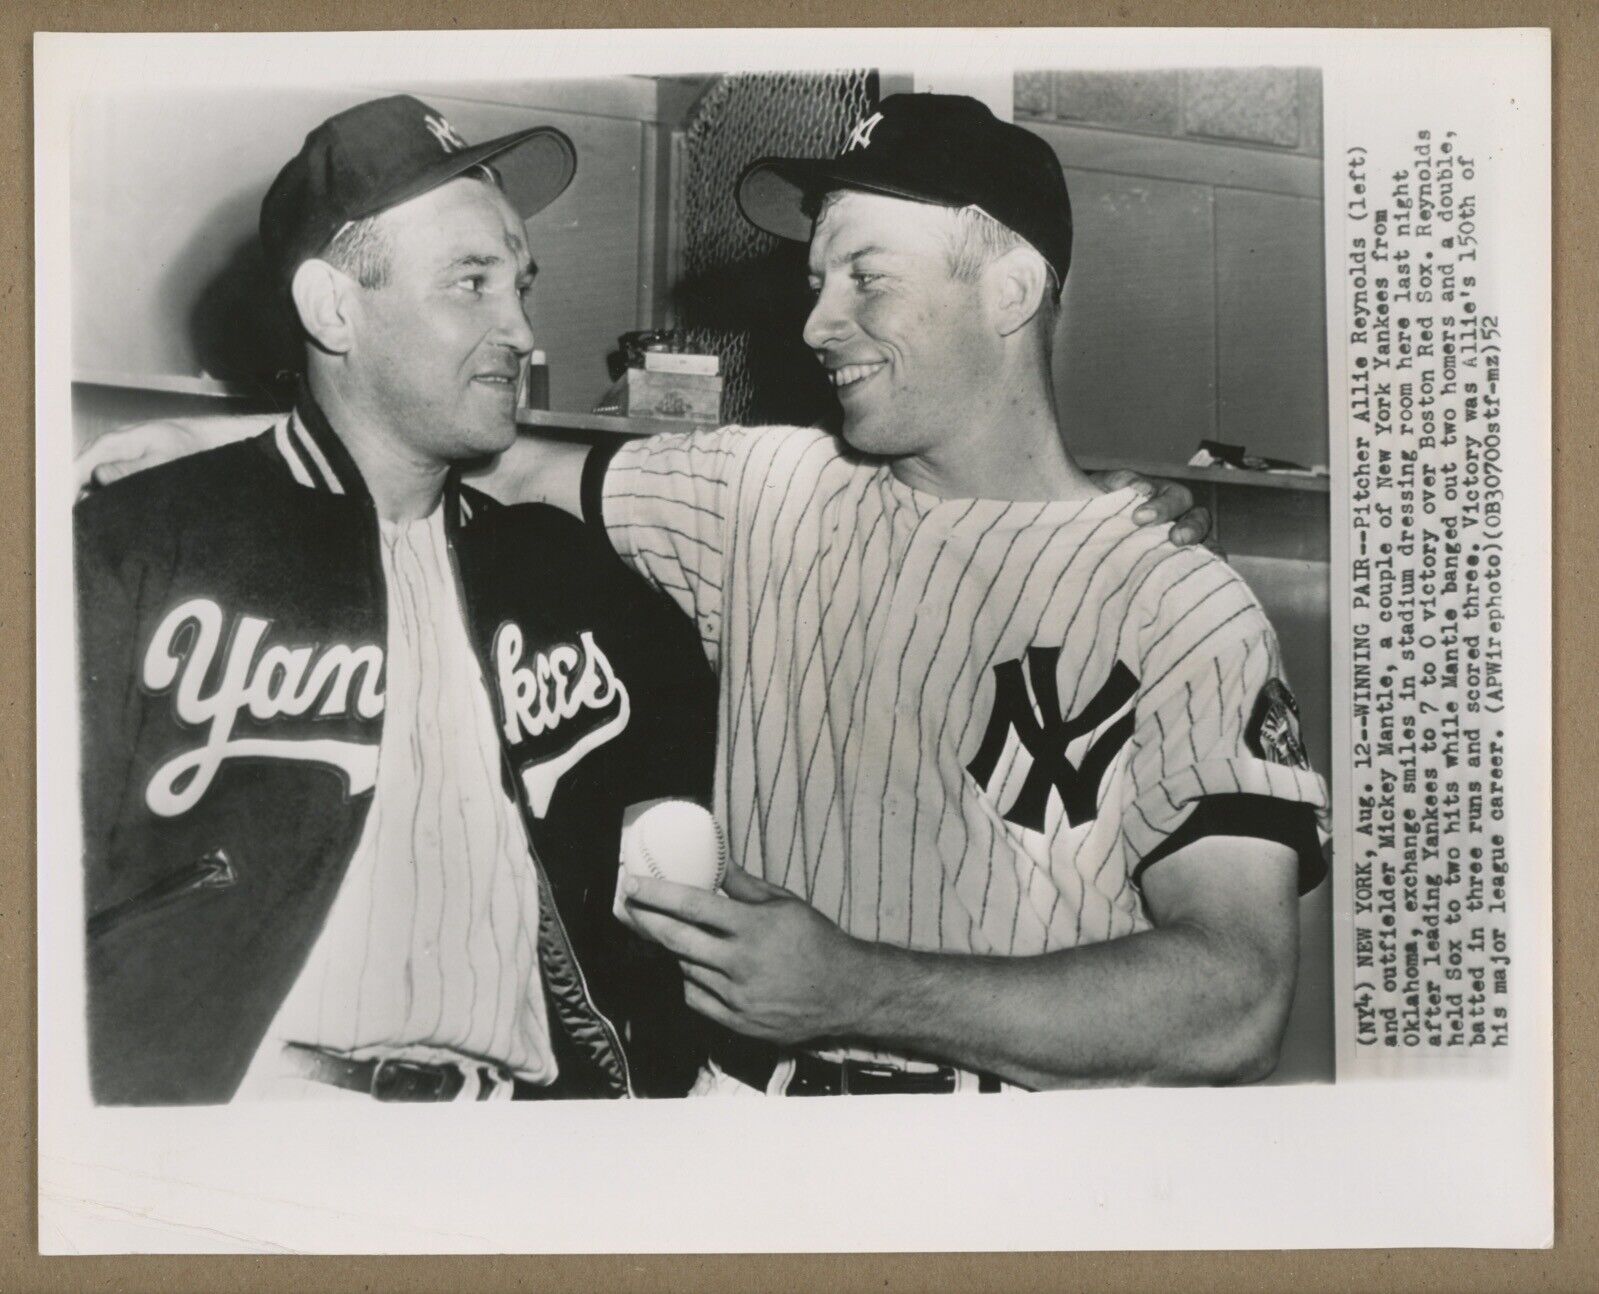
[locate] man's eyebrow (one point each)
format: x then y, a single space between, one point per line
476 260
849 258
519 252
487 260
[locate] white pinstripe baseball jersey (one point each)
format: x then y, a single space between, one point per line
431 946
956 724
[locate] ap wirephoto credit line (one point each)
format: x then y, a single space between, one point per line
1427 517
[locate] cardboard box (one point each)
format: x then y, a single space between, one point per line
691 397
665 361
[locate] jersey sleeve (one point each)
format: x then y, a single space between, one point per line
1217 749
666 504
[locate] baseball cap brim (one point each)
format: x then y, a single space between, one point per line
535 167
775 192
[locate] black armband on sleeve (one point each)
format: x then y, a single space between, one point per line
1260 817
591 490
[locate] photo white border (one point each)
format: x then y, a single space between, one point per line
1417 1162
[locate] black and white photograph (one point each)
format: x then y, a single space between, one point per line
601 591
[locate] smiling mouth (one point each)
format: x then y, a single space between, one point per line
847 375
498 381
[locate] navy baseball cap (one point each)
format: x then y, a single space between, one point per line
381 153
947 149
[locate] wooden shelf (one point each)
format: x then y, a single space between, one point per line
1211 475
171 384
620 426
617 425
607 422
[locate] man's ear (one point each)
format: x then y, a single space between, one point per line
1018 280
324 298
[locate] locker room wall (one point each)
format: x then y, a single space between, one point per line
1195 305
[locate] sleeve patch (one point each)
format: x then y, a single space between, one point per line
1273 732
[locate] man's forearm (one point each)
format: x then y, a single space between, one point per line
1202 997
1177 1004
535 469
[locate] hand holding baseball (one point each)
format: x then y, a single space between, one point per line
756 958
670 840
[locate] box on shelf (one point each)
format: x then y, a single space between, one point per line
666 361
691 397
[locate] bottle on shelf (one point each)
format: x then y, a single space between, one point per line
536 385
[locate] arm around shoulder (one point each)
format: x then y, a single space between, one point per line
536 469
125 451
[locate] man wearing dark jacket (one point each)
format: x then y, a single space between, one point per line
358 739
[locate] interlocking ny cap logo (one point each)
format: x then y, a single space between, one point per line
861 136
442 131
1046 742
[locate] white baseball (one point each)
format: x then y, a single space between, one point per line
674 840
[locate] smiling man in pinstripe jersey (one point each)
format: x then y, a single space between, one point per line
1015 785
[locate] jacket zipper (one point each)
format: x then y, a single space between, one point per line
546 892
214 871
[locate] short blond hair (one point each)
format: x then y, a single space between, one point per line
976 239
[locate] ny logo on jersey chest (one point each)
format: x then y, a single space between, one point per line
1046 738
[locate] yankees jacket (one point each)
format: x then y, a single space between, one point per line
232 636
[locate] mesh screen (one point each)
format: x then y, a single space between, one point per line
742 292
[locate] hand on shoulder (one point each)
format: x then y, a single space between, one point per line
124 451
1164 501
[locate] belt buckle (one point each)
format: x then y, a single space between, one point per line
393 1073
874 1077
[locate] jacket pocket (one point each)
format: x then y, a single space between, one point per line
212 871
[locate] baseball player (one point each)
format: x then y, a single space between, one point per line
1016 785
357 739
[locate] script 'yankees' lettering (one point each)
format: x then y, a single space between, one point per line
276 681
279 681
553 687
1046 739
